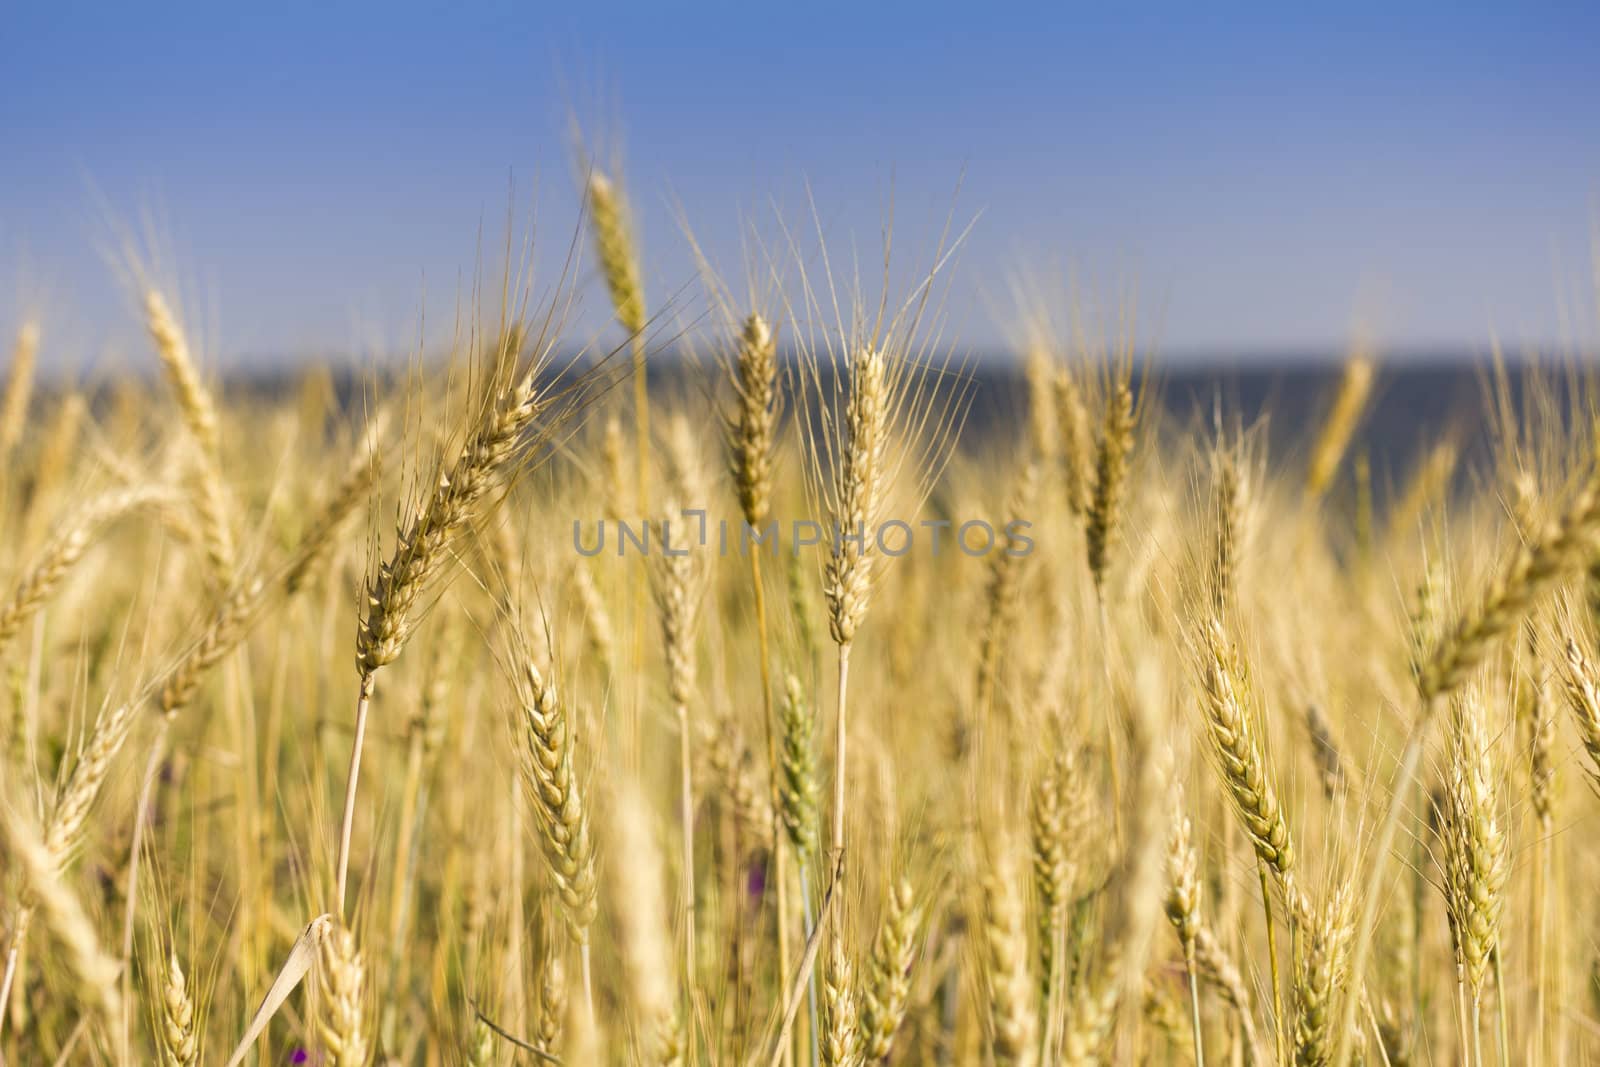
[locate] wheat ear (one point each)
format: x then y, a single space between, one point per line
841 1021
894 951
1183 911
242 607
859 482
1355 383
1110 481
1136 888
751 430
1565 547
552 1004
1054 815
858 488
596 621
753 425
797 795
481 1045
343 1024
1229 492
549 774
619 263
200 418
1325 752
180 1043
1215 963
19 388
63 552
1077 438
57 452
1583 696
642 925
421 548
678 587
1249 785
1004 586
508 408
95 971
1474 843
1319 979
1230 725
352 489
1013 1019
65 829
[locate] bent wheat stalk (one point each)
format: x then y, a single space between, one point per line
62 835
510 407
94 971
65 549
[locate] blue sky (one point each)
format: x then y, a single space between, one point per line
1265 178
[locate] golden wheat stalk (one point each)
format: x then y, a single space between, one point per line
242 607
751 432
1012 1015
548 750
509 408
1355 383
678 585
1055 816
1475 846
200 417
798 790
179 1022
94 972
841 1021
1565 547
619 264
887 994
19 388
1183 911
1005 586
857 496
1215 963
1104 516
343 974
637 899
1077 435
319 536
1230 725
1320 977
1583 696
552 1005
65 549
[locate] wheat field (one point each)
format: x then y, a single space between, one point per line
455 716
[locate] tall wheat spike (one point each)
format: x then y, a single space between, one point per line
619 263
1355 383
19 388
514 414
200 417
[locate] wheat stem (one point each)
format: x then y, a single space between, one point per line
347 823
841 733
1280 1021
779 851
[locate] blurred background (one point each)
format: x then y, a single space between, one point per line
324 179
